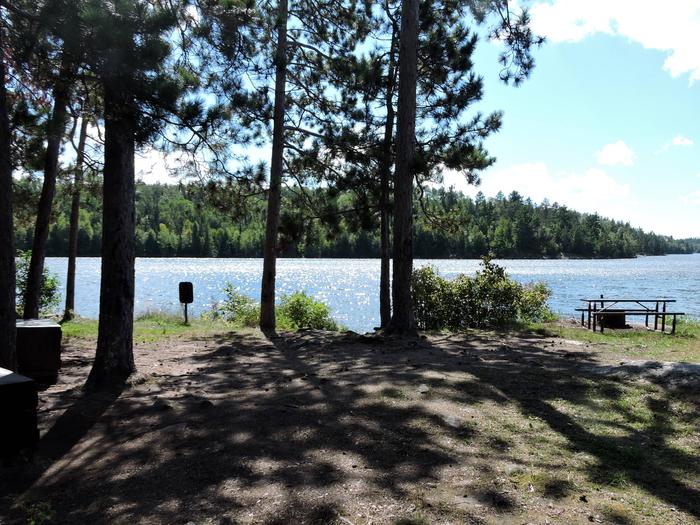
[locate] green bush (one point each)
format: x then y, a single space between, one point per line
302 311
295 311
488 299
49 287
237 308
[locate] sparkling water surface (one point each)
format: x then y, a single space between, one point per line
350 286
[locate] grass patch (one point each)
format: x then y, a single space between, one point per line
635 342
149 327
618 514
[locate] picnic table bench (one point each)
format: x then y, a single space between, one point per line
612 313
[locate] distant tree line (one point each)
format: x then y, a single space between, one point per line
182 221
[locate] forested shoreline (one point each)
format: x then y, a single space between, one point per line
183 221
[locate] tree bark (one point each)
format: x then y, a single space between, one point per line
8 315
267 293
402 320
69 310
56 130
114 358
384 175
385 253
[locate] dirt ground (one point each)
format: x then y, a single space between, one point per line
347 429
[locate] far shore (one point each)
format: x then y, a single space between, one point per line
523 258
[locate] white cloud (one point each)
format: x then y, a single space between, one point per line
152 166
672 26
591 191
692 198
616 153
680 140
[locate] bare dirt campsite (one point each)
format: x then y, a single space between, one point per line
320 427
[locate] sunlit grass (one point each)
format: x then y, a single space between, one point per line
151 326
636 342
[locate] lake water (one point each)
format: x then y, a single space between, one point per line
350 286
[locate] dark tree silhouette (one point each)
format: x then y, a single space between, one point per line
8 353
402 321
69 310
267 291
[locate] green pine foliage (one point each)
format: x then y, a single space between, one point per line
182 221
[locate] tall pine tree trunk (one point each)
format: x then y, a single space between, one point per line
402 320
385 253
384 213
8 316
68 313
267 293
56 130
114 358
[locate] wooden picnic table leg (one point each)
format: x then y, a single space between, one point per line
663 319
582 320
656 317
673 326
589 315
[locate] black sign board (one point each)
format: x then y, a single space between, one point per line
186 292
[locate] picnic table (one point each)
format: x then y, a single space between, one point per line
611 313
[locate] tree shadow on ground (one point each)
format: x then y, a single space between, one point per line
640 456
298 428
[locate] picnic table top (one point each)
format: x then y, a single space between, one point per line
607 300
605 311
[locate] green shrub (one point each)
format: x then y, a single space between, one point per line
295 311
237 308
302 311
534 303
490 298
49 287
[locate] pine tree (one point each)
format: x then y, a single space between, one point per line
139 91
267 291
69 310
291 43
8 353
402 320
59 20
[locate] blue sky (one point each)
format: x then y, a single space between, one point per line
610 119
608 122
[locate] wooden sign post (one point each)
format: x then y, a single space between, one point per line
186 295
